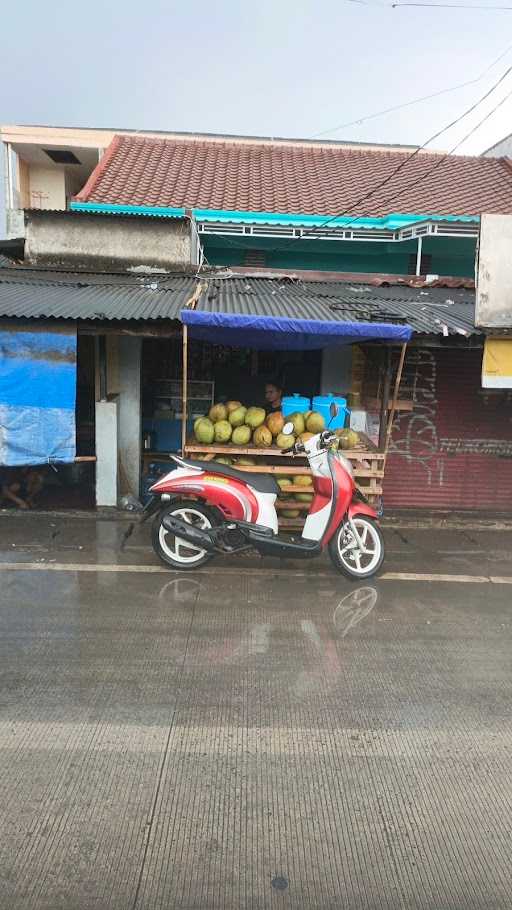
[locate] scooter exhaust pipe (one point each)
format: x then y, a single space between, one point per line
196 536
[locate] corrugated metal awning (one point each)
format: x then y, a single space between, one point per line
35 294
431 311
38 293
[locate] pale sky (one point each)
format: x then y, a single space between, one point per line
283 68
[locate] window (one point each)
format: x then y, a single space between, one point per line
61 156
255 258
425 265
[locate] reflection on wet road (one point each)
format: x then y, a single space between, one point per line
253 741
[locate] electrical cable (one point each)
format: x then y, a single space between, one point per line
443 157
410 157
477 6
399 107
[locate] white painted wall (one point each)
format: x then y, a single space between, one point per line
494 277
106 453
47 187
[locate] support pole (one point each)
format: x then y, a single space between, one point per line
9 180
418 255
384 405
395 398
184 402
102 367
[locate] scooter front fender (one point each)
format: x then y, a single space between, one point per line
361 508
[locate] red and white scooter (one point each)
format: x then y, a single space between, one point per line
210 508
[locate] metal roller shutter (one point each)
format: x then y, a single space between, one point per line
454 449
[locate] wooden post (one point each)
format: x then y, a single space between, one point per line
386 386
184 391
395 397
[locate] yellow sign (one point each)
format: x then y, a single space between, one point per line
497 364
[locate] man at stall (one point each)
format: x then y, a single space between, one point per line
273 396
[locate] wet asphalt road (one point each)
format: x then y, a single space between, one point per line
252 737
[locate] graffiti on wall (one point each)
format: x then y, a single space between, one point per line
415 436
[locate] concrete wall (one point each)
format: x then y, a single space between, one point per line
494 276
502 149
108 242
47 188
130 414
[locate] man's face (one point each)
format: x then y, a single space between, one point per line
272 393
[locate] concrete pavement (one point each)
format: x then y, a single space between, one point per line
250 737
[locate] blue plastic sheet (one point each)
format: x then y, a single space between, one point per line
282 334
37 396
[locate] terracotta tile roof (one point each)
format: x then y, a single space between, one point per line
294 178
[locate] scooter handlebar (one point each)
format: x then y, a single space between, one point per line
327 437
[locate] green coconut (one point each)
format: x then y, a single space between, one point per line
245 462
262 437
315 423
241 436
222 431
298 422
302 480
291 513
217 413
204 431
233 406
237 416
275 423
255 417
223 459
285 441
303 497
348 438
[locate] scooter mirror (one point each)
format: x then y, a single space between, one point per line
288 428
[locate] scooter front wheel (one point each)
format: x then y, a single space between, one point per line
357 552
172 550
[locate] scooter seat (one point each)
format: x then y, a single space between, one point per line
264 483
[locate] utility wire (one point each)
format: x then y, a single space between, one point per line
397 5
442 158
399 107
410 157
453 6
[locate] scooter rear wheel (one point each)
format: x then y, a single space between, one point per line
172 550
366 558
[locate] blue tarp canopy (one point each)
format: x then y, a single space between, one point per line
278 333
37 395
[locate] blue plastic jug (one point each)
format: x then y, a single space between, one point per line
295 402
322 404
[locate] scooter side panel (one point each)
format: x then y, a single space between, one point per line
235 500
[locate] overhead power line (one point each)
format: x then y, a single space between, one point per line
398 5
442 158
409 158
399 107
453 6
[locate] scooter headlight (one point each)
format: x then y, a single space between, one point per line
346 464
